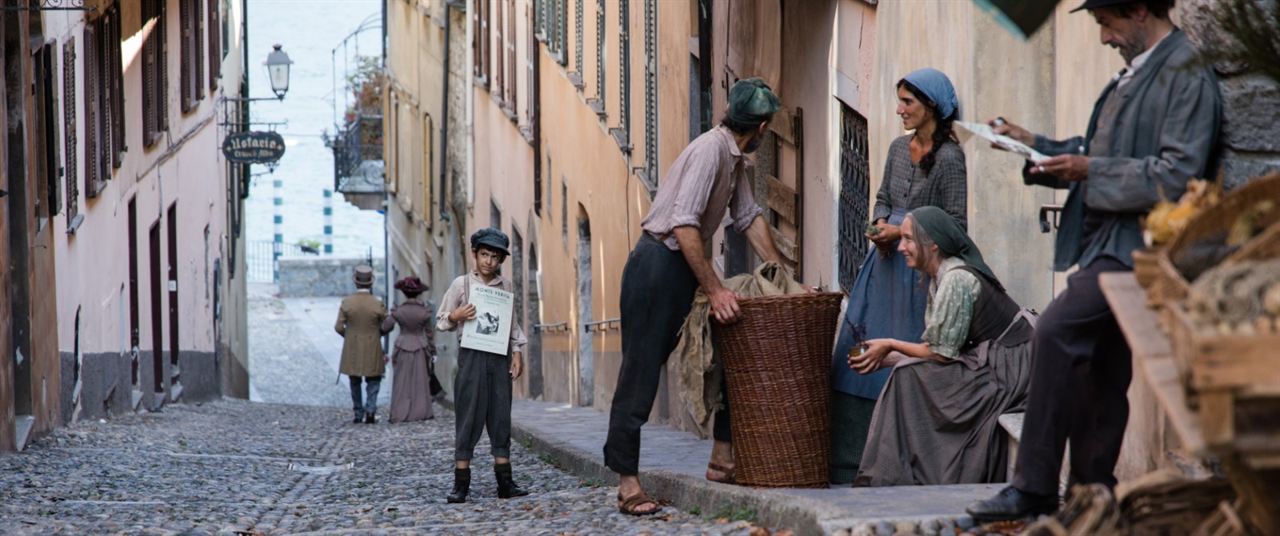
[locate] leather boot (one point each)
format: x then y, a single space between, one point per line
461 485
1012 504
507 487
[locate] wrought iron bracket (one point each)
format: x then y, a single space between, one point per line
48 5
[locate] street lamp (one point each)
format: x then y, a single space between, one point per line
278 70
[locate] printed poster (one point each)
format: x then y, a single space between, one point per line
490 331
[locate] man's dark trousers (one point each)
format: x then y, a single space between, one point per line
657 291
1080 377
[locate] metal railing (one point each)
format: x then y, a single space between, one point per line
261 257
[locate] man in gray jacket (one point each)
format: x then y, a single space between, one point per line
1153 129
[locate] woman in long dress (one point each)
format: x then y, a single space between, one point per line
936 422
923 168
411 360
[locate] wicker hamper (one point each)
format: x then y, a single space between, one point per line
777 360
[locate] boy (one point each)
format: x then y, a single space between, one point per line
359 319
482 397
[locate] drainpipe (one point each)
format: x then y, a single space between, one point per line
444 113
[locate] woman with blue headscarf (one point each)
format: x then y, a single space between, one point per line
923 168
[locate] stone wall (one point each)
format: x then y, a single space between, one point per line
1250 141
323 276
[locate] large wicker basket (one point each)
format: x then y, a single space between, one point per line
1169 285
777 360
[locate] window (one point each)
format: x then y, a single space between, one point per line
651 92
69 170
495 215
500 74
155 79
215 29
226 28
600 93
855 194
104 100
577 37
623 133
45 135
551 25
512 85
480 47
192 51
564 210
530 61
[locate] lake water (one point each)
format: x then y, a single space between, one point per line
309 31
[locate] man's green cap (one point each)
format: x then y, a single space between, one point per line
751 102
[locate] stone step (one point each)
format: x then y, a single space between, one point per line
1011 423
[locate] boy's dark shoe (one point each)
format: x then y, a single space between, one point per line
370 418
461 485
507 487
1011 504
359 417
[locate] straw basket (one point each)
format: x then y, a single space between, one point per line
1170 285
777 360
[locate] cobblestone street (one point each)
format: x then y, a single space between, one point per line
241 467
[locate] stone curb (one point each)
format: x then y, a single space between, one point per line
687 493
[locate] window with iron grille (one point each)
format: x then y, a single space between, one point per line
562 30
541 8
577 35
651 92
103 100
69 170
155 116
191 50
855 194
480 43
215 45
600 93
624 75
551 25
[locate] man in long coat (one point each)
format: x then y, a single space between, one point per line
359 322
1153 129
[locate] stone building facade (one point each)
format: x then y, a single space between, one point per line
574 109
133 267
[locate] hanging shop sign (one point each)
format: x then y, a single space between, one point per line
253 147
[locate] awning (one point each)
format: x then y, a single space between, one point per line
1022 17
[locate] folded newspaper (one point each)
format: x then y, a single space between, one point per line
984 131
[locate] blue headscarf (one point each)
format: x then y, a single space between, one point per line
938 88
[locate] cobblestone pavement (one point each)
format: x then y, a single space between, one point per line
294 352
233 466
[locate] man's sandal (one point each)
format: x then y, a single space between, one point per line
728 477
630 505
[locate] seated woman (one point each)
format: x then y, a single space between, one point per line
936 420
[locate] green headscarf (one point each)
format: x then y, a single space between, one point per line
951 239
751 102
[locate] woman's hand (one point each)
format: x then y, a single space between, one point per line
886 237
466 312
872 358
